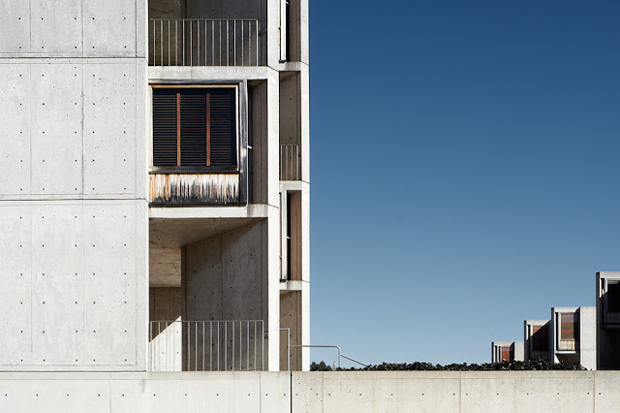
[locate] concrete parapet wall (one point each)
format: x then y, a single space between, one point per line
275 392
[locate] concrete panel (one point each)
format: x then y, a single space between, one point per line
606 395
526 391
290 107
15 245
57 286
53 31
59 394
15 24
587 337
376 392
110 277
76 287
56 129
15 129
290 317
142 124
243 273
165 304
109 128
110 30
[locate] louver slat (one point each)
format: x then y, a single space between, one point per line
164 128
193 129
222 128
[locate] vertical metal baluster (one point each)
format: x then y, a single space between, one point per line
218 346
198 41
183 42
247 360
262 345
242 44
227 45
188 341
191 43
232 365
168 42
255 347
249 42
176 42
235 42
196 344
212 42
210 346
203 346
205 42
226 346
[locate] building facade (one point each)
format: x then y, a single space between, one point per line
155 201
506 351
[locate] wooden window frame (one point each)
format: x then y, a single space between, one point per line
208 168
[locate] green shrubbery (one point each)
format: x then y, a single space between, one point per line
421 366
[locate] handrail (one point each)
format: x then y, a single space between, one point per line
340 355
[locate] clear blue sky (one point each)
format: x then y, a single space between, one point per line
464 159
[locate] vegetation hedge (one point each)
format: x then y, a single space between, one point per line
421 366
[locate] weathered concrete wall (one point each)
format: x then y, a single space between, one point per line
73 208
225 278
331 392
546 391
290 317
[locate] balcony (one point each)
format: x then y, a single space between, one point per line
567 345
206 345
203 42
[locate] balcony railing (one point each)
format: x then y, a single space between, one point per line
206 345
200 42
290 165
567 345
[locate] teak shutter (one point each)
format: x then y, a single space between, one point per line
164 128
194 127
223 149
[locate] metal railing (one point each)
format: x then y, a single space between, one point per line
201 42
567 345
206 345
290 162
340 355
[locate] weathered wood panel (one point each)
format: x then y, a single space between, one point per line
194 189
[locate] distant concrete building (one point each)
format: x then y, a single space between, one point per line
608 320
506 351
573 335
537 339
154 205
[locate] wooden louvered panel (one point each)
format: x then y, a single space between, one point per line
164 128
222 128
193 129
198 130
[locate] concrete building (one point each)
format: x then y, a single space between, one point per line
573 335
536 340
608 320
506 351
155 192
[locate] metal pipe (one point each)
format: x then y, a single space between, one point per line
288 348
310 345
